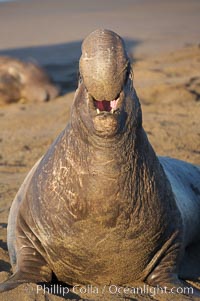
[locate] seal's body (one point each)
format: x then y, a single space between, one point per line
184 180
24 81
100 207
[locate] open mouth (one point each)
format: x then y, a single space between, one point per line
102 106
105 106
106 115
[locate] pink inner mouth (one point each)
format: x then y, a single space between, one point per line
104 105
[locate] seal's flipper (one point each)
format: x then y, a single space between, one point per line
35 271
166 272
30 267
20 278
190 265
12 282
13 215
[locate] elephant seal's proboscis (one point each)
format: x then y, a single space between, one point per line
100 207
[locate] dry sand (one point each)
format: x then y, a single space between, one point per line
164 39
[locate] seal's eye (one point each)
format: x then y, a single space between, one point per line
128 72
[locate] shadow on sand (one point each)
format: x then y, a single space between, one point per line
60 61
5 266
3 245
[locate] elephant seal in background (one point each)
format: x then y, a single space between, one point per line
24 81
100 207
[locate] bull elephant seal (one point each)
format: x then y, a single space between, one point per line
24 80
100 207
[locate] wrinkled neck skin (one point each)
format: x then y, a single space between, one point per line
128 149
123 184
123 164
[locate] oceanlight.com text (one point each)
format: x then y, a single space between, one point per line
112 289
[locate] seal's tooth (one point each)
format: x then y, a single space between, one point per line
98 111
112 111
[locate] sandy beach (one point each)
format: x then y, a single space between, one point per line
163 40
